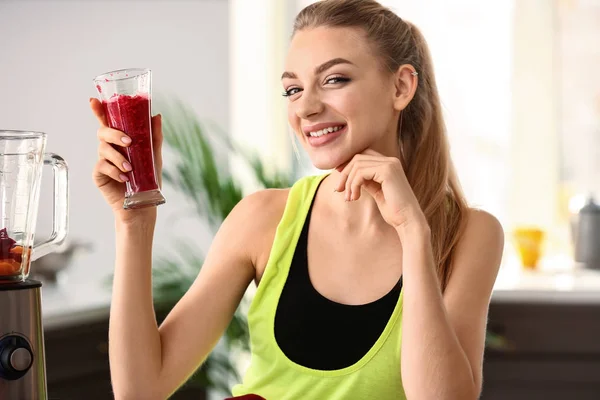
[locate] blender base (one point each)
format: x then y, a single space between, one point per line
22 353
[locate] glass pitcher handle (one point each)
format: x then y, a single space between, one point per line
60 217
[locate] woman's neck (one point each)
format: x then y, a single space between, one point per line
358 216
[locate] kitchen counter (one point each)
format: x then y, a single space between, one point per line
75 317
566 284
78 303
545 323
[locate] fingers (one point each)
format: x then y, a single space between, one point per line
109 156
112 163
353 184
107 152
105 168
116 137
361 173
105 133
98 111
365 170
357 159
360 156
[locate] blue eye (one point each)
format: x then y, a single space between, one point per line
291 92
329 81
337 79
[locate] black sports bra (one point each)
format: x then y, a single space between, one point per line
319 333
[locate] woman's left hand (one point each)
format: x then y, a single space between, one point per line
384 179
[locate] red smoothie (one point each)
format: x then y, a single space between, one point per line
131 114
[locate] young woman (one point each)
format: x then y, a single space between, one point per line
374 279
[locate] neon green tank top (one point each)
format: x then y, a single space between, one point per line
275 377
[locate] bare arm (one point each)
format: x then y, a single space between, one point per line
150 362
134 342
443 336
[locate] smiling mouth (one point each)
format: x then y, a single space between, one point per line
325 131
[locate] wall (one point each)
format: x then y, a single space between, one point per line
49 53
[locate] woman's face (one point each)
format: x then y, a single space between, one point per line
341 101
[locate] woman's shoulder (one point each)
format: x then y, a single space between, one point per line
259 214
482 239
266 207
257 217
480 222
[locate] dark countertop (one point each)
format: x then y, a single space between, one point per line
64 305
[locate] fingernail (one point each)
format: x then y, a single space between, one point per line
126 139
123 177
127 166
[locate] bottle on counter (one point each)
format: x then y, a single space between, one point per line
587 238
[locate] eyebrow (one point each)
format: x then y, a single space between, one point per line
321 68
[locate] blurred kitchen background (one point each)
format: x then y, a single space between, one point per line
521 92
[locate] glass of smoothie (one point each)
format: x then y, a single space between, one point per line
126 95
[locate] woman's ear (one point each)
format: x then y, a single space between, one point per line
406 80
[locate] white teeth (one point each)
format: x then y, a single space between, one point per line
325 131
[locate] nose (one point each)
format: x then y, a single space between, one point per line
309 104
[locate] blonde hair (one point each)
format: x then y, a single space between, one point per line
421 128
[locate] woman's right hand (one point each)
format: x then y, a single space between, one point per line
110 171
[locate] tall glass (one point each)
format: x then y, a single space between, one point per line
127 99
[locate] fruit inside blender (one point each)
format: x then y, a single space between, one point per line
11 255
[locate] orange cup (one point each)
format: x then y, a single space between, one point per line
529 244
